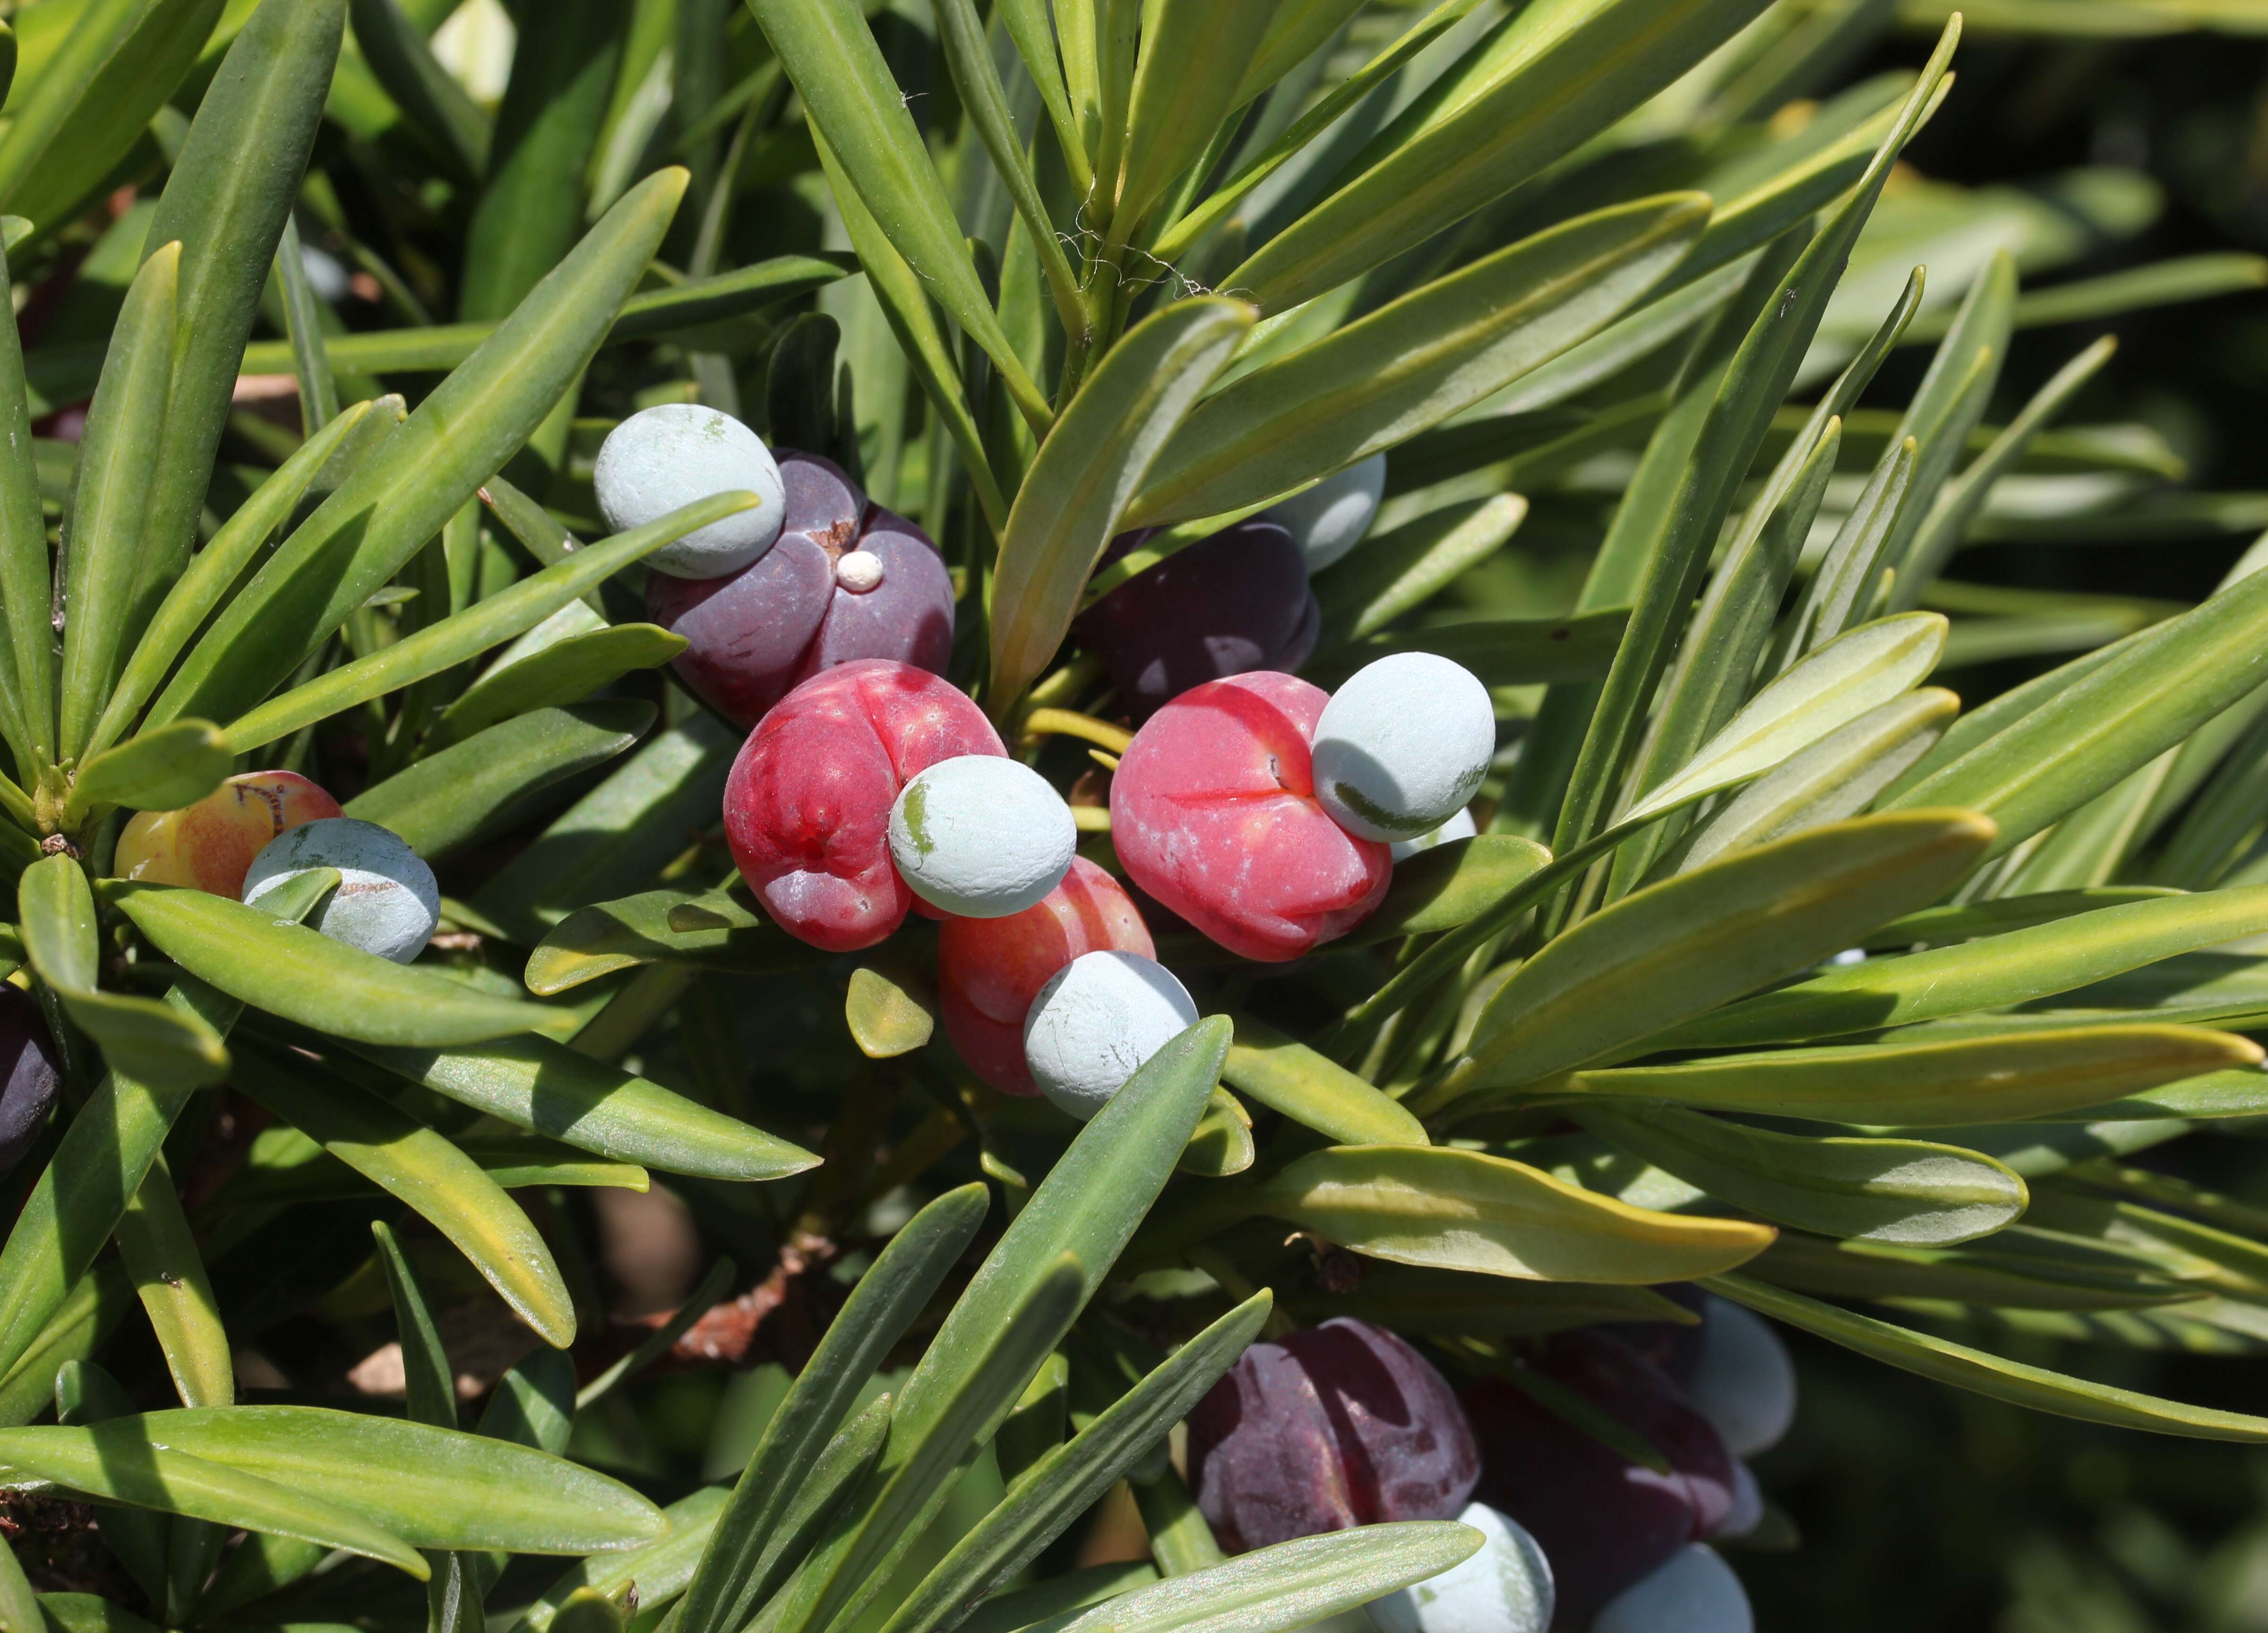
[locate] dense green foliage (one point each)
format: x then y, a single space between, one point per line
1755 429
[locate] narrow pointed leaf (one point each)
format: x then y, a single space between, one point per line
436 109
1995 972
487 623
459 437
852 102
1293 1585
1466 1210
566 672
173 766
118 1461
110 494
433 1488
291 971
160 1252
732 1579
103 1159
1413 364
213 573
26 575
1087 472
1066 1482
660 1570
1845 679
1685 946
451 796
1928 1084
916 1475
2099 727
1867 1189
120 61
1556 75
2012 1381
1835 778
230 188
423 1169
672 310
1757 376
1287 1076
1942 531
1195 58
532 1083
156 1043
929 354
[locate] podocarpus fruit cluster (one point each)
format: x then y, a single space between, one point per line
1265 813
1251 804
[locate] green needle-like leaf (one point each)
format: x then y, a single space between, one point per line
291 971
1413 364
230 190
660 1570
423 1169
1868 1190
1682 947
438 111
533 1083
1293 1585
853 103
161 1254
1549 79
915 1476
736 1571
1077 493
565 672
1067 1481
1757 378
1287 1076
1990 1375
118 1462
1918 1082
433 1488
400 498
1466 1210
110 495
450 797
152 1042
1193 69
173 766
1847 677
26 582
443 645
214 571
120 61
1994 973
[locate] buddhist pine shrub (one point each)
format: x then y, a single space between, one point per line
555 629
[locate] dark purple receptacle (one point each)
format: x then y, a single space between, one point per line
757 635
1603 1521
1232 604
1342 1425
27 1056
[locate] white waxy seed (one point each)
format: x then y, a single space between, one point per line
1094 1023
1694 1591
1331 518
673 454
1505 1588
1745 1382
386 902
1461 825
1403 746
859 571
980 836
